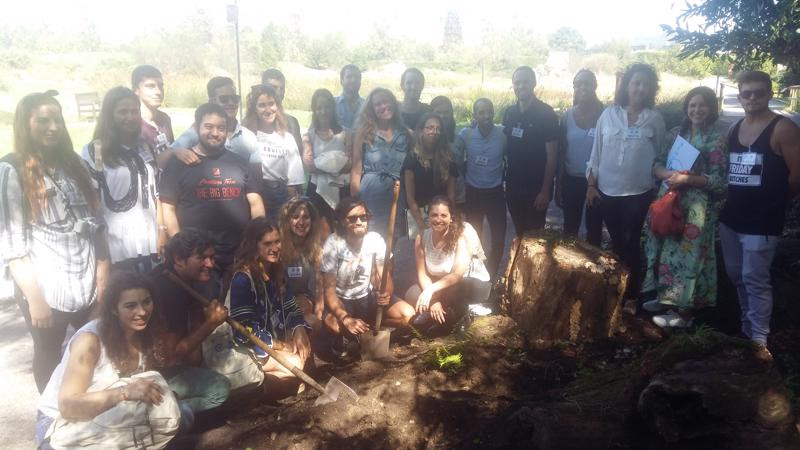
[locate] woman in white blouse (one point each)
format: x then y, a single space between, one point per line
281 165
620 173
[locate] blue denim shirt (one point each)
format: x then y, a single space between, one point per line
347 117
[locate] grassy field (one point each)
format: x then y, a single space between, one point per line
73 73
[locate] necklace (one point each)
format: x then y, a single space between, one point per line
136 166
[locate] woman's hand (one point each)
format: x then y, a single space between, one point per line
424 300
143 390
41 314
161 244
592 195
437 312
355 326
302 346
677 180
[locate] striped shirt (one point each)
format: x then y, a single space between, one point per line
60 245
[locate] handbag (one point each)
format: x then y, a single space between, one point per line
223 355
128 425
666 215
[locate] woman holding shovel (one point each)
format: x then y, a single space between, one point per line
352 259
262 300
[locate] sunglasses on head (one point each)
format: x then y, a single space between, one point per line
753 93
355 218
229 98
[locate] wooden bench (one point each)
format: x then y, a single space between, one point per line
88 105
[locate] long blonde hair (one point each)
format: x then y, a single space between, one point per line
368 121
294 247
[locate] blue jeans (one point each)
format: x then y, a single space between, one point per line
200 388
748 258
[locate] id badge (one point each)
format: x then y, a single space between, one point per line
295 272
749 158
161 140
517 132
633 133
481 161
593 132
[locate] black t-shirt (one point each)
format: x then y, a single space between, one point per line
427 182
411 119
526 133
212 196
175 304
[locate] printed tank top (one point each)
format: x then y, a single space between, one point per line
758 185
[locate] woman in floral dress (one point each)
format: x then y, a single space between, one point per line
682 270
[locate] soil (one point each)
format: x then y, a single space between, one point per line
505 393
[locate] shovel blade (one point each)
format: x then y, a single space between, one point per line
375 345
335 389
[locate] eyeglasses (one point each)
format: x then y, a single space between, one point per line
432 129
753 93
230 98
355 218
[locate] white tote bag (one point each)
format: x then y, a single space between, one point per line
224 356
128 425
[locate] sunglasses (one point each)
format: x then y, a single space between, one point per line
231 98
754 93
355 218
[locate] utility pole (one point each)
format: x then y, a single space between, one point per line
233 17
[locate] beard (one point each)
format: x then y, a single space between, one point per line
212 149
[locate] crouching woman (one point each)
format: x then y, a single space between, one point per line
86 402
262 300
450 270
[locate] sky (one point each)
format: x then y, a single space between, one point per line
598 21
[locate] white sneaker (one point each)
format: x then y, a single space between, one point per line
653 306
671 320
478 309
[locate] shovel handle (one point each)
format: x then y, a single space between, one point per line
388 255
253 338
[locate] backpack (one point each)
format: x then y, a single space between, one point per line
128 425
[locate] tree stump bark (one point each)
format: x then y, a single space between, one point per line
563 290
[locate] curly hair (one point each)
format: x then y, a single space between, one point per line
621 96
456 228
294 247
368 120
112 335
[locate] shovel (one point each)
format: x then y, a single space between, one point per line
375 343
328 394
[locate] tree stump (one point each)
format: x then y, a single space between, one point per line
563 290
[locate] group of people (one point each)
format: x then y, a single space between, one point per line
97 239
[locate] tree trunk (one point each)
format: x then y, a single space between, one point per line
560 290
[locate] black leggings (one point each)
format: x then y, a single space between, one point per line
573 197
624 217
47 342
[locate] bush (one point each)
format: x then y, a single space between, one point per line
15 59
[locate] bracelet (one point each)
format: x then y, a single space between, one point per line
124 393
162 228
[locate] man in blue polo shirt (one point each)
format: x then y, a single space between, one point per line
531 129
349 103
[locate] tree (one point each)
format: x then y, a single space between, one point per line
452 30
567 39
746 33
